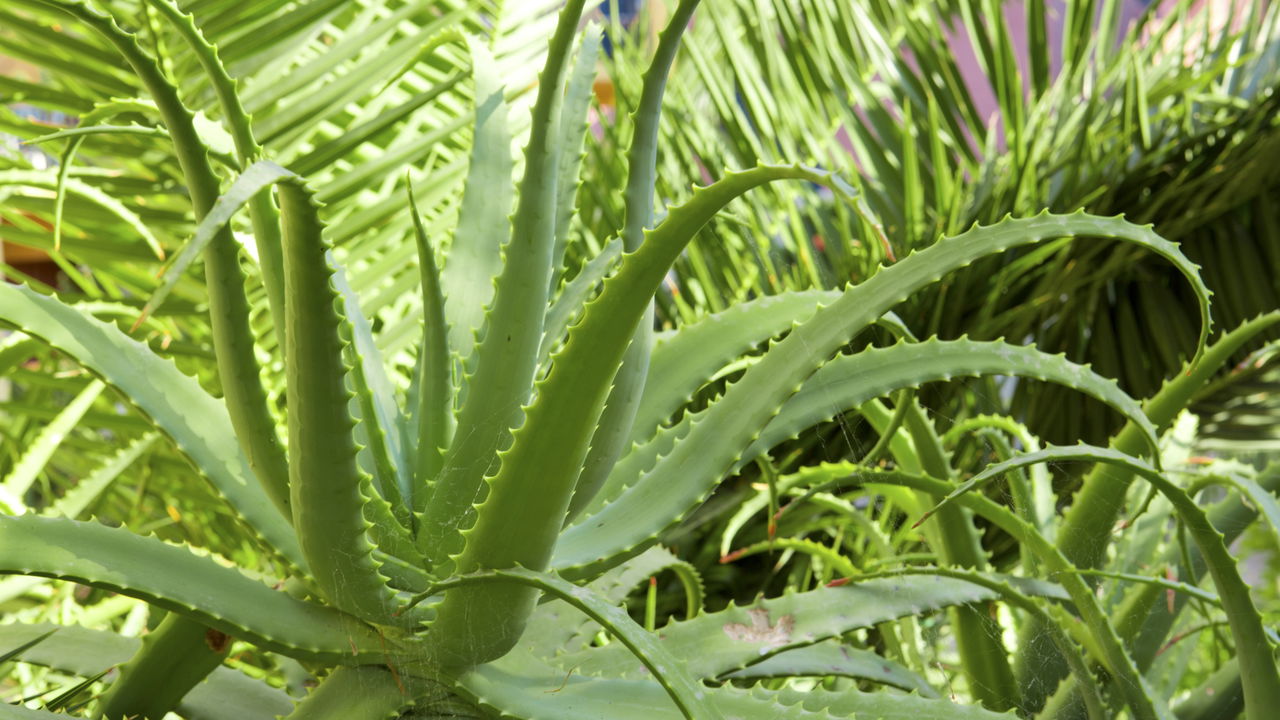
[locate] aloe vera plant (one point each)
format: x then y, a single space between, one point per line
456 545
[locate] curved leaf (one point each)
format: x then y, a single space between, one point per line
832 659
1086 526
574 125
262 212
505 360
196 422
518 521
841 384
850 380
432 389
484 224
199 587
712 446
524 687
551 629
359 693
327 487
684 359
613 426
714 644
667 668
1142 700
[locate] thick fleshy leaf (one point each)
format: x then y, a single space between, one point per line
196 422
715 442
715 644
328 490
656 657
832 659
198 587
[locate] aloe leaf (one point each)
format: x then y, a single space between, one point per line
327 487
829 558
643 153
1040 509
572 138
1086 528
78 135
786 485
833 659
718 643
667 668
1257 496
681 362
525 687
554 627
198 587
484 225
1141 698
174 657
613 428
1219 696
616 584
170 399
309 249
266 455
226 695
59 203
879 705
354 693
567 307
223 85
1055 620
380 417
559 423
396 556
711 448
251 182
506 357
614 423
978 635
431 423
635 465
41 450
635 517
839 384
